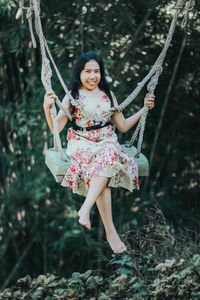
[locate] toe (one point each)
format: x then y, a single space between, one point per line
121 249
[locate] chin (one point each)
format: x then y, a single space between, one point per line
92 87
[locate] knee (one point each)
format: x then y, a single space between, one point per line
105 191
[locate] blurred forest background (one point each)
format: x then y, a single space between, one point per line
39 230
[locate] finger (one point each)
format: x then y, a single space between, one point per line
150 100
147 101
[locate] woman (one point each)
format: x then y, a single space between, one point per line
98 162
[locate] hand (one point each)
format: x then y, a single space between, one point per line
149 101
49 99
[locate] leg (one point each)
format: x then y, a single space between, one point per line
105 209
97 185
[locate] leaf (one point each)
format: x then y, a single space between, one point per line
91 283
125 271
169 263
49 279
141 293
60 291
98 279
75 274
149 255
19 13
86 274
151 269
156 283
196 260
185 272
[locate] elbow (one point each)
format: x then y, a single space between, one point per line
122 129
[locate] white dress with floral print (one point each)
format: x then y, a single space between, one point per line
97 152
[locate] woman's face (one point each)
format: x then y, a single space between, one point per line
90 76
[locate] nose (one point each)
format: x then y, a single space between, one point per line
92 75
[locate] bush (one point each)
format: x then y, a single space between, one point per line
160 264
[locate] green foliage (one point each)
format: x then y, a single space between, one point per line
176 277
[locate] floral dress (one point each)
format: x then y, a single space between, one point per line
97 152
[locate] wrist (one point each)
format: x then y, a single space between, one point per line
46 107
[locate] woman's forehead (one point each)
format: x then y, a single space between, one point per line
92 65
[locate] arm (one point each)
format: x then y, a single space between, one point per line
125 124
62 119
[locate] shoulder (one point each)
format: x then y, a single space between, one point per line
66 102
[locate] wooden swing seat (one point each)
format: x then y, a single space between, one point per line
58 167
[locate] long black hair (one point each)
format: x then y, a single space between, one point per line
79 65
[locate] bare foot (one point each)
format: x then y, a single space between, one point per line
84 218
115 243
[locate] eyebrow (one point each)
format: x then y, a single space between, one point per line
92 69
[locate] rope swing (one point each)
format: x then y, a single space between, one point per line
56 159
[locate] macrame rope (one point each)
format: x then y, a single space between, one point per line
153 74
188 7
180 4
46 75
29 17
46 69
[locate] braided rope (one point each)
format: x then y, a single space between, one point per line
139 129
141 134
29 17
153 74
46 74
189 6
135 134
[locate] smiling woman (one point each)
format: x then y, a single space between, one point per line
90 76
97 160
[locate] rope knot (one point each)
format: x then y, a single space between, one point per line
180 4
116 109
188 7
154 79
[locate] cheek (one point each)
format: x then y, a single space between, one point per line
82 78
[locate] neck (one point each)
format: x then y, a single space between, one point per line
91 91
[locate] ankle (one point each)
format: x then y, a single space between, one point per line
84 209
111 231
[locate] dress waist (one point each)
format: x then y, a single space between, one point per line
94 127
